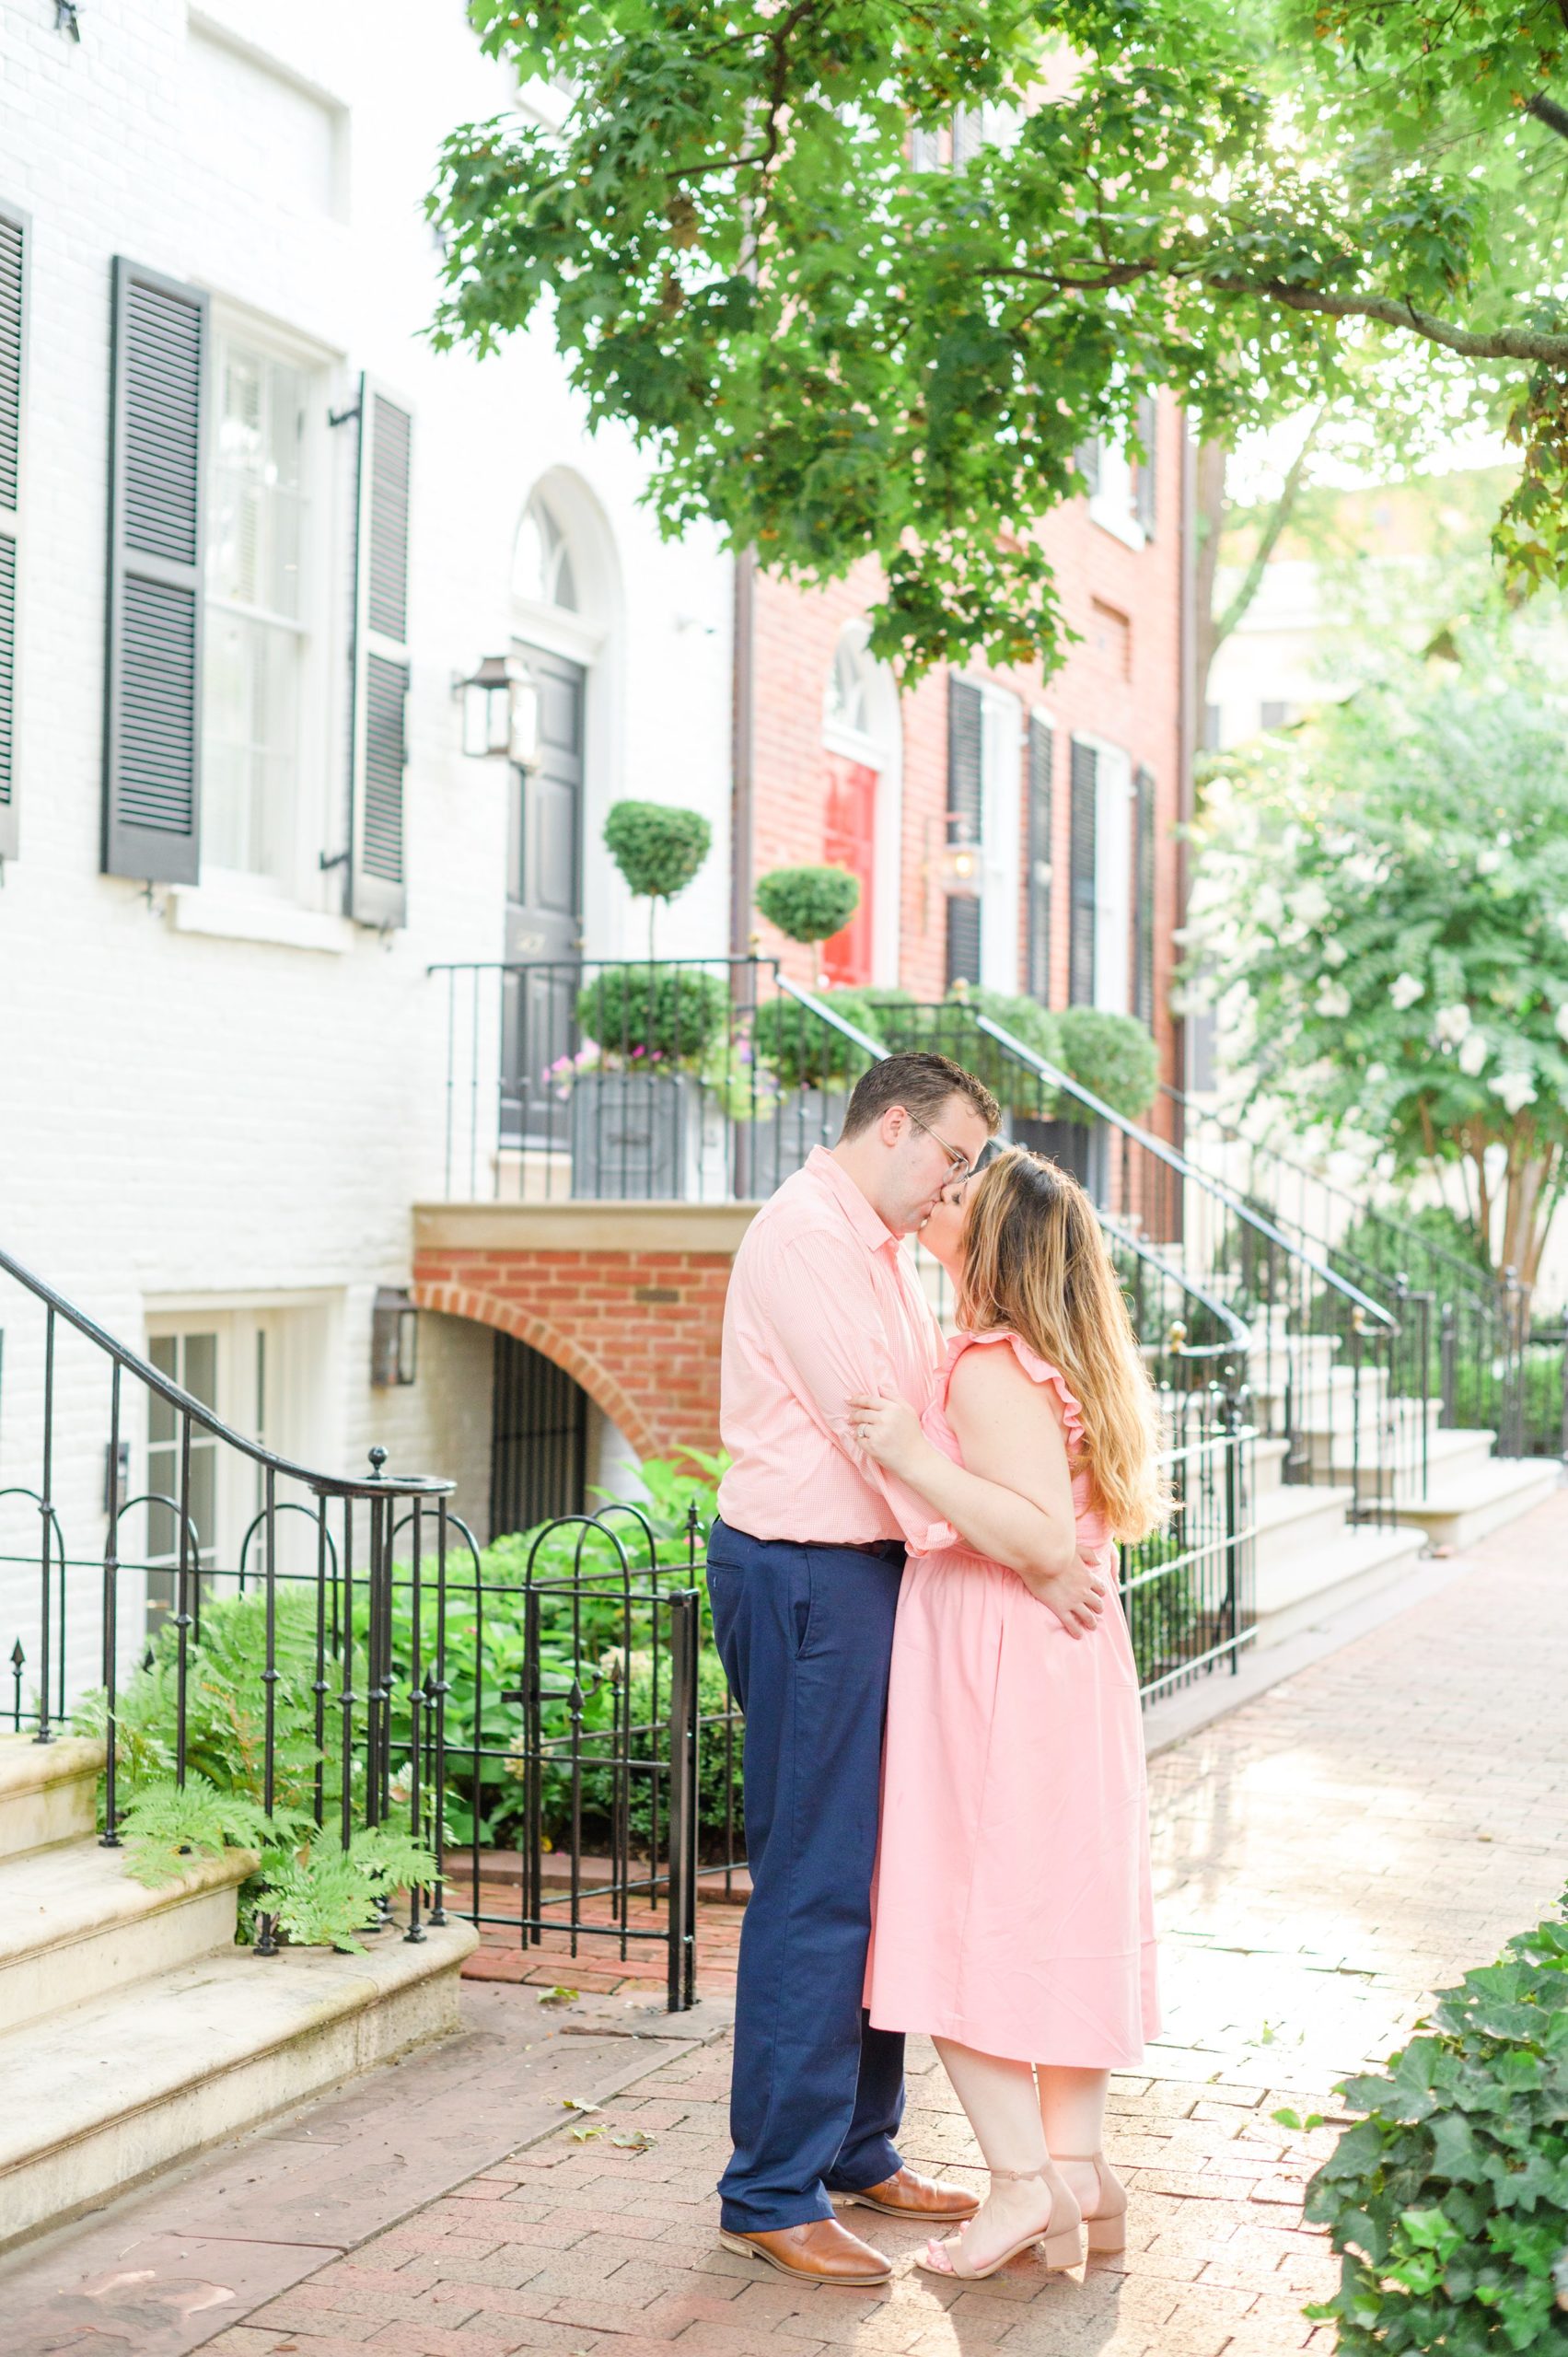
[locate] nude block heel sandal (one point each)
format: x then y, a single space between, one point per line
1060 2243
1105 2226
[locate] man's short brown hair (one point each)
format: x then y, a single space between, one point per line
922 1084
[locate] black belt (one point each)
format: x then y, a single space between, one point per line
888 1547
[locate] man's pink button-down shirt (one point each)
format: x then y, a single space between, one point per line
823 1302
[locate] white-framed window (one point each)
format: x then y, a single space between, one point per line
259 1367
258 671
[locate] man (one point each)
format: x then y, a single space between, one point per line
803 1569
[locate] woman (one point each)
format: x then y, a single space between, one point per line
1013 1914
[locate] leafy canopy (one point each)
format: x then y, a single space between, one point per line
833 353
1382 902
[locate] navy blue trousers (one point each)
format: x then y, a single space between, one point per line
806 1635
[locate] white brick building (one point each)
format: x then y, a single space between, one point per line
220 1094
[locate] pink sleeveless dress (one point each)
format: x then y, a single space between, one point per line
1013 1909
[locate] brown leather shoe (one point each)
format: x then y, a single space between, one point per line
821 2251
908 2195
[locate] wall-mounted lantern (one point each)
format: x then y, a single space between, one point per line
500 711
394 1337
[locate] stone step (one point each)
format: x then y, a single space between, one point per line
1268 1464
1453 1456
1299 1518
1300 1589
73 1923
1461 1508
48 1792
102 2094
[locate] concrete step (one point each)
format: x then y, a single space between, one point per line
1299 1518
48 1792
1268 1464
1460 1508
100 2095
72 1924
1300 1589
1452 1455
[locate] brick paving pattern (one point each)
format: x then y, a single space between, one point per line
1324 1858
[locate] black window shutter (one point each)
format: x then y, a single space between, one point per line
379 731
966 799
152 768
1147 478
1085 784
1143 897
13 348
1042 754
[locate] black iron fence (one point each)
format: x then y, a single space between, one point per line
661 1080
1494 1362
540 1726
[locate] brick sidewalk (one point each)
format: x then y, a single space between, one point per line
1324 1858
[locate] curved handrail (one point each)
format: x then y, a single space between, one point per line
1238 1334
1472 1279
833 1018
1178 1162
323 1484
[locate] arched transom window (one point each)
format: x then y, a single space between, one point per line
847 704
541 568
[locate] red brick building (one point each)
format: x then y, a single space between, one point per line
1071 786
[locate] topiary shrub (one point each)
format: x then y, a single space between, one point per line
804 1053
653 1015
808 903
1448 2199
657 848
1111 1054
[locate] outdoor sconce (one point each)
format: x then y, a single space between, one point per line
500 711
958 868
394 1338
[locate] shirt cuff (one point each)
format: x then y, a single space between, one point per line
934 1540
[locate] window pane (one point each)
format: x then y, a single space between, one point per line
251 704
254 662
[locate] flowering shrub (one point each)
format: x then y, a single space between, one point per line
1381 905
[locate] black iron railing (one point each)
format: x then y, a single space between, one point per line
1495 1363
1345 1380
695 1080
338 1659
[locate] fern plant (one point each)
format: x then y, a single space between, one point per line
316 1893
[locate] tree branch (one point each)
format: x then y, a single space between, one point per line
1496 343
1252 579
1547 110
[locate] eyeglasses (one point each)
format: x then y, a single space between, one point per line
958 1164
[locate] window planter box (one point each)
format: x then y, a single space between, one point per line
778 1144
646 1137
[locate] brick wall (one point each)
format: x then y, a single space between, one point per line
1119 682
638 1329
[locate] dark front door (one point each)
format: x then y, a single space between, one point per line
544 910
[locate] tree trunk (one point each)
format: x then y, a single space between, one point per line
1528 1203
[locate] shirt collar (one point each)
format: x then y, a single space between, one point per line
867 1222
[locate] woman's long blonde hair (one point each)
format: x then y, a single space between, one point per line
1036 1259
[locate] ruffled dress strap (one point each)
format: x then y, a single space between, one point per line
1038 1370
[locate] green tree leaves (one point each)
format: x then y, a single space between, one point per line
830 351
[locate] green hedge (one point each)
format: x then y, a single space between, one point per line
1114 1055
1448 2199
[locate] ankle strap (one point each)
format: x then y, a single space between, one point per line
1021 2176
1078 2156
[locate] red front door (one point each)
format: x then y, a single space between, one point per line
849 840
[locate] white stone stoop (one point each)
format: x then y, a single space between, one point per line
133 2030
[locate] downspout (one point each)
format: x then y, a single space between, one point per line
743 732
